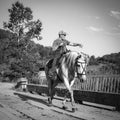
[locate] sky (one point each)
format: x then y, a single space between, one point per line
93 23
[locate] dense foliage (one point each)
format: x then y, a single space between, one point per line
19 55
17 61
107 64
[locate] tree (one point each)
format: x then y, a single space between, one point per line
93 60
21 23
23 29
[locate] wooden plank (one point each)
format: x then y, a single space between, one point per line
117 87
111 89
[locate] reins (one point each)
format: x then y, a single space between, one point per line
83 68
82 64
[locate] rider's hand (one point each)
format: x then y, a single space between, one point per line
61 44
80 45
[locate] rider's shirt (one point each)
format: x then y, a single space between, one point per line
59 45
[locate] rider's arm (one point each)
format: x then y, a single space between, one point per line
71 44
75 44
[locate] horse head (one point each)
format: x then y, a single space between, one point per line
81 64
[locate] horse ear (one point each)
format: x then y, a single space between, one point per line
79 56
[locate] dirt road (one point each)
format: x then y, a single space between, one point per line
16 105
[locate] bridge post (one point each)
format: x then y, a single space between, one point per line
118 103
24 83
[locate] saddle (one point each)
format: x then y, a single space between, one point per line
58 62
52 74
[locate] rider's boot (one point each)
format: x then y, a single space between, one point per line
53 73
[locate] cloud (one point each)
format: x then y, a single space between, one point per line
94 29
115 14
113 34
97 17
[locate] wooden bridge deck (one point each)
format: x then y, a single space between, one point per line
84 112
110 99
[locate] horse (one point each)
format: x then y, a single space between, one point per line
71 64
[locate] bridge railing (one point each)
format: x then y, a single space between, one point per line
95 83
100 89
100 83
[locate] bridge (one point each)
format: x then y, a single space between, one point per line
99 89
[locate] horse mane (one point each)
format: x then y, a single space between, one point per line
70 59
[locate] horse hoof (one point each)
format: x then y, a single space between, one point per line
50 105
64 107
49 99
74 109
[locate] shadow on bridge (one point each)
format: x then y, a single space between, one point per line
25 97
42 100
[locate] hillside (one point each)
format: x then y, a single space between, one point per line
107 64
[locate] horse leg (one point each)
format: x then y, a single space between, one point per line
72 96
68 86
52 91
71 92
66 82
65 100
49 92
49 97
72 101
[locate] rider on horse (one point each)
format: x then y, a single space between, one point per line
59 48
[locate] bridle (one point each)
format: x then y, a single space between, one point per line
82 64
